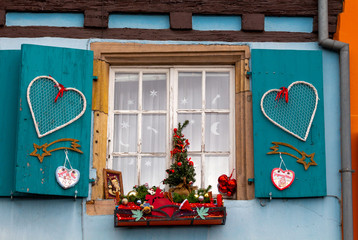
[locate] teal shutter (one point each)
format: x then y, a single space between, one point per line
273 69
10 63
71 68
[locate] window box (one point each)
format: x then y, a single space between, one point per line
158 217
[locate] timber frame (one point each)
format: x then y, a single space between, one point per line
97 12
127 54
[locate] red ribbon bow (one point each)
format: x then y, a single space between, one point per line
60 91
282 94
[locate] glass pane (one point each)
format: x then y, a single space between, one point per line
154 91
126 91
214 167
152 170
217 90
128 167
217 132
197 166
154 133
193 130
189 90
125 133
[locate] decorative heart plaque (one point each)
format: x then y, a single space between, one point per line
296 114
282 179
52 106
67 178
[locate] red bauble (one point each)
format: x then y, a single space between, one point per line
227 185
172 170
223 180
191 163
222 189
231 185
179 164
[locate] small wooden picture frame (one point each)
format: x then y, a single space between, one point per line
112 183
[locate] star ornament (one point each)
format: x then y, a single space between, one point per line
306 164
43 149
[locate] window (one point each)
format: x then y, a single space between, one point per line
168 60
145 104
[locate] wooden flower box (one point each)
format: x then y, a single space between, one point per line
123 216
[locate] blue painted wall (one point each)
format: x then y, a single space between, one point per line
315 218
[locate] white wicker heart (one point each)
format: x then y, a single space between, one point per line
295 116
49 116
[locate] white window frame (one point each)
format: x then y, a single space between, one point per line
171 113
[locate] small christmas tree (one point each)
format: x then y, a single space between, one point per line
181 174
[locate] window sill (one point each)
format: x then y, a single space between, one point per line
100 207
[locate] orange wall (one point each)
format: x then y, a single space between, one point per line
348 32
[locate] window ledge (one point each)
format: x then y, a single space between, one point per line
100 207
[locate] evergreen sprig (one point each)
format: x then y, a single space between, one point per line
182 170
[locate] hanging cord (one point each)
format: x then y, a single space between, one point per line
282 162
67 160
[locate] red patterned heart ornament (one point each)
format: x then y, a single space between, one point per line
282 179
67 178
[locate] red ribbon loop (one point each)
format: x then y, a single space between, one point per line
282 94
60 91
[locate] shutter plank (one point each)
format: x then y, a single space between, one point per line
10 65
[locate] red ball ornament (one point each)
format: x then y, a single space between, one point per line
179 164
172 170
223 179
227 185
191 163
231 185
222 189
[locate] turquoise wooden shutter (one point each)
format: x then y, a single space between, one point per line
10 63
71 68
273 69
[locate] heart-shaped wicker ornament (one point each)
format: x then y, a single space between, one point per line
67 178
50 115
295 115
282 179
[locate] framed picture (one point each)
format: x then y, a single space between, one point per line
112 183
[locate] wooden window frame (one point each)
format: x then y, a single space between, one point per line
108 54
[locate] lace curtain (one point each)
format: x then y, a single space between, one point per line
208 116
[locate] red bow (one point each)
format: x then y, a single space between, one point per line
282 93
60 91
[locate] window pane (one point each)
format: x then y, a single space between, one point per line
217 132
189 90
126 91
153 133
214 167
193 130
128 167
217 90
152 170
197 166
125 133
154 91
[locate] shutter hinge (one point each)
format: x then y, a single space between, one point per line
248 74
250 181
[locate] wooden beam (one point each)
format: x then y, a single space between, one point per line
100 86
244 145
